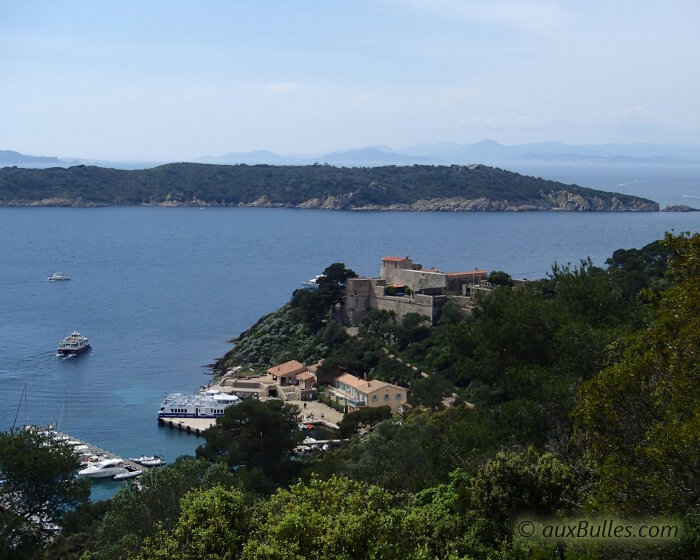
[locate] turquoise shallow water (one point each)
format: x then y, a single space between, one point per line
160 291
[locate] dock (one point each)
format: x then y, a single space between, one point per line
103 452
192 425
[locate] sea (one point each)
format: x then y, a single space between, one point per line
161 291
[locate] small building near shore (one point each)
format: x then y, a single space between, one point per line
305 389
306 380
285 374
356 393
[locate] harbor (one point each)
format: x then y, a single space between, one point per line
90 450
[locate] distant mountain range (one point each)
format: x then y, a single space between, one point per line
487 152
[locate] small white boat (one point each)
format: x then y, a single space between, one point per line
149 460
155 462
128 474
105 468
58 276
312 284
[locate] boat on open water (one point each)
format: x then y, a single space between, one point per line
74 344
58 276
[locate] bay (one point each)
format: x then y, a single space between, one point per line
159 291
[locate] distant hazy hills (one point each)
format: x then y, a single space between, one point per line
487 152
9 158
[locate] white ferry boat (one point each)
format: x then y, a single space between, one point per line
73 344
58 276
209 404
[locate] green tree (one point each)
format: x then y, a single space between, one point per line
38 484
213 525
255 435
141 510
336 275
639 419
400 455
430 391
500 278
78 528
337 518
363 418
512 483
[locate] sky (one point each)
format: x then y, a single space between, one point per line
170 80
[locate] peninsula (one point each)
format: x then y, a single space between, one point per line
453 188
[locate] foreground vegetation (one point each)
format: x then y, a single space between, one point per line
299 186
584 389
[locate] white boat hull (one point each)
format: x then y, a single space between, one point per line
109 472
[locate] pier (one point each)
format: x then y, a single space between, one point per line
128 464
192 425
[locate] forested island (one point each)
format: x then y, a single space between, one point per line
453 188
574 396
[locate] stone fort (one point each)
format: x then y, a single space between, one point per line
406 287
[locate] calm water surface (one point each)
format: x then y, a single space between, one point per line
160 291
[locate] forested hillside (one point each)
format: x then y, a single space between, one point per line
418 187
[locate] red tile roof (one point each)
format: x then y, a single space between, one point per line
349 379
395 259
469 273
287 369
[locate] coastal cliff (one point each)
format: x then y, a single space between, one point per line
417 188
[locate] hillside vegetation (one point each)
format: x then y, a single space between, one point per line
417 188
581 390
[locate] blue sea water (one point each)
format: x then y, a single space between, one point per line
159 291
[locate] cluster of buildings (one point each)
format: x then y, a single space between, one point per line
402 287
352 393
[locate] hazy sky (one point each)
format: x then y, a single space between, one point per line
166 80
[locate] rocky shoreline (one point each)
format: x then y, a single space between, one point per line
555 201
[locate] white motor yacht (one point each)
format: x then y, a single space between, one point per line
106 468
57 276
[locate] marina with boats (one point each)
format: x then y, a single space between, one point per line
98 463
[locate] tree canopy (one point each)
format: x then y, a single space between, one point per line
38 485
255 436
